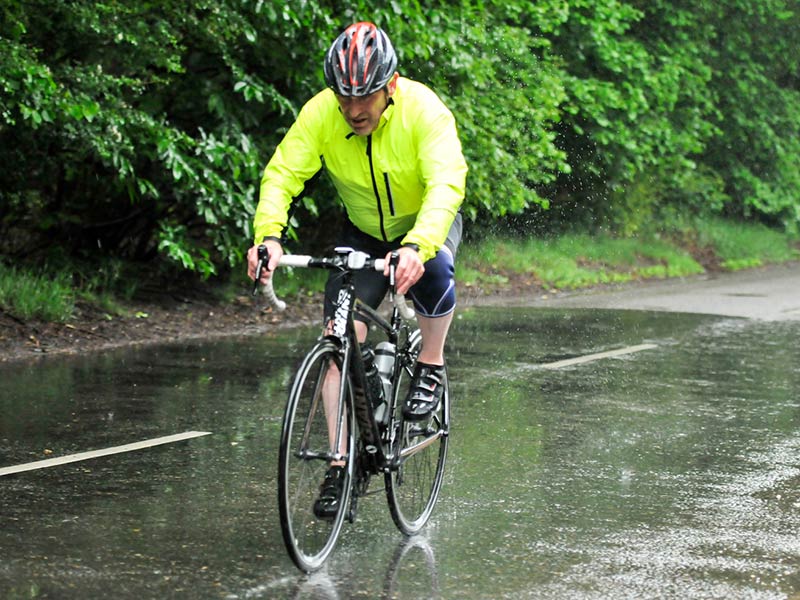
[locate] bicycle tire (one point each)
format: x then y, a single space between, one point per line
309 540
412 488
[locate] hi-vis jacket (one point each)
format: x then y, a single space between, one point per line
405 180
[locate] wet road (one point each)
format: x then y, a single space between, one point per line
771 293
596 453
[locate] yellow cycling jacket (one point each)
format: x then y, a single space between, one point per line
407 179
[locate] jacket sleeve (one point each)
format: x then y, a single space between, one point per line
296 159
443 171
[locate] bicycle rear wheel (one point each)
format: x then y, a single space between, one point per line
305 452
413 487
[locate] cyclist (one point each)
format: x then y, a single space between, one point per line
391 148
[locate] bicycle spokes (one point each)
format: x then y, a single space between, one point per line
306 451
420 450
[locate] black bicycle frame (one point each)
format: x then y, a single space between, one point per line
343 334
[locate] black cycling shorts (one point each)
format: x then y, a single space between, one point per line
434 295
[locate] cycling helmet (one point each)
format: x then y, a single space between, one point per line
360 61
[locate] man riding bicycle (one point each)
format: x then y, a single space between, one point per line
391 148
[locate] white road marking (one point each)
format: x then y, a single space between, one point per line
70 458
600 355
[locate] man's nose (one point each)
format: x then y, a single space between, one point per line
353 106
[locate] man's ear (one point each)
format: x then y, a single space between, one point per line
392 85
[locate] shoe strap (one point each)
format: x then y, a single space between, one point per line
427 378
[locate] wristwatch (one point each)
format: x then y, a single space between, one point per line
414 247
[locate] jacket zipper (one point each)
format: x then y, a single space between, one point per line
389 193
375 187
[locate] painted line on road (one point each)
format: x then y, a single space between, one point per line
598 356
71 458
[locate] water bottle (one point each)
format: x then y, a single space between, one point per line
374 384
384 361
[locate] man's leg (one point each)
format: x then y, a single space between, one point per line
427 384
434 335
330 396
434 299
327 504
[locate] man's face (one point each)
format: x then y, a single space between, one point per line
363 113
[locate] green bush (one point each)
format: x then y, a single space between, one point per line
139 130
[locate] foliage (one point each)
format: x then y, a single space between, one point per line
678 106
637 113
756 76
34 296
134 127
139 130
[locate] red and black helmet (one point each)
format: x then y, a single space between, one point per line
360 61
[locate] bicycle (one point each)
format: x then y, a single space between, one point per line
410 455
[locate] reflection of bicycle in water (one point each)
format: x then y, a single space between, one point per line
334 414
412 563
411 573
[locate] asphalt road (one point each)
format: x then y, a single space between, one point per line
769 294
598 453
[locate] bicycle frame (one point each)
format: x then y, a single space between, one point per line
368 428
342 332
344 335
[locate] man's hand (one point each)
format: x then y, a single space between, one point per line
275 254
408 271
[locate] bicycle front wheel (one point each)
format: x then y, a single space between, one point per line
413 486
314 411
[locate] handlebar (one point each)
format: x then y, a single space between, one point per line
345 259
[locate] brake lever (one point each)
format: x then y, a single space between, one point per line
263 262
399 299
394 259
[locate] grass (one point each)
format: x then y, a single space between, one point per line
582 260
564 262
574 261
743 246
27 295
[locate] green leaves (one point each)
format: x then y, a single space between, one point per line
85 110
174 241
669 98
143 127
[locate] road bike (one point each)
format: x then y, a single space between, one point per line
333 414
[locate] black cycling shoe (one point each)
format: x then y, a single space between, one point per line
330 494
426 391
